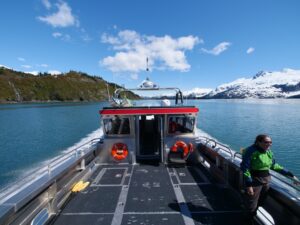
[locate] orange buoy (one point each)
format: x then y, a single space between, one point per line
119 151
181 146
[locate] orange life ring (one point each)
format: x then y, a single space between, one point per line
119 151
181 146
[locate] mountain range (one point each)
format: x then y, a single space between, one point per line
71 86
279 84
77 86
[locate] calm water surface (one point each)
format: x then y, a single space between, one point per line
237 122
33 133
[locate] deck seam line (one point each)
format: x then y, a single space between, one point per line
218 212
185 212
103 171
155 213
176 175
85 213
152 213
118 215
107 185
99 176
124 175
199 184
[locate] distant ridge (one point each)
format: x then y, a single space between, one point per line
72 86
280 84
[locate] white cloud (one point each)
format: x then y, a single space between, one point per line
46 3
26 66
132 49
62 18
56 34
43 65
21 59
217 50
64 37
54 72
250 50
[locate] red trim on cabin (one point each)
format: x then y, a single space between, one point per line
151 111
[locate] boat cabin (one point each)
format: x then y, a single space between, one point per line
148 133
160 133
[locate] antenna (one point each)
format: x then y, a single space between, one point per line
147 65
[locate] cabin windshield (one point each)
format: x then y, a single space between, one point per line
116 125
181 124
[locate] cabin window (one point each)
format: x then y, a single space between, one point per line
116 125
181 124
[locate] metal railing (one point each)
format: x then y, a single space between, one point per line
221 146
291 182
74 154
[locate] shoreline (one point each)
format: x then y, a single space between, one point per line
94 101
50 101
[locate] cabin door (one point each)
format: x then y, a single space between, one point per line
150 137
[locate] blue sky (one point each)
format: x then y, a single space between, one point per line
191 43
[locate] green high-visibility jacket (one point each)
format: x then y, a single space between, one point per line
255 158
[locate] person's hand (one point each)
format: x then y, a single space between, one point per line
250 191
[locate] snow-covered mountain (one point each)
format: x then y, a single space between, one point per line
197 92
282 84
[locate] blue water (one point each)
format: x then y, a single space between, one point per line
237 122
33 133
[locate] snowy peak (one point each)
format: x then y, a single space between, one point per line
197 92
277 84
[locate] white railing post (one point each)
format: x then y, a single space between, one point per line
82 164
49 170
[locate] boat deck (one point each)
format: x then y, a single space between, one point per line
152 194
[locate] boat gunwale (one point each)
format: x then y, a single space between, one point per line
149 110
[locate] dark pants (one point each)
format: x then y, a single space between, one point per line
260 188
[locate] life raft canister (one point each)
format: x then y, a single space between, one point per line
119 151
181 146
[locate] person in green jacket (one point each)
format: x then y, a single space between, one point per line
257 160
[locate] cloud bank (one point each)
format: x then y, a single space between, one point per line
62 18
132 49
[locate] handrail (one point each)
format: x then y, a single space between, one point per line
74 150
226 147
235 154
117 94
47 168
284 179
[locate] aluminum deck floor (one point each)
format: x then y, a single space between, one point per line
152 195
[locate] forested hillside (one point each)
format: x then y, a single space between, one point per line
72 86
